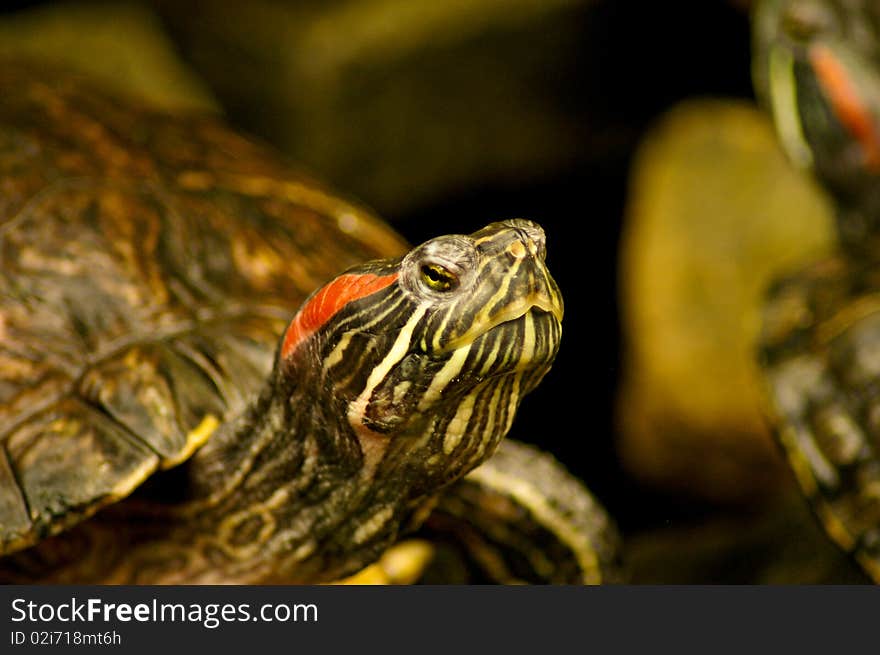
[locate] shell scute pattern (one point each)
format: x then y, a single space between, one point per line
822 364
148 265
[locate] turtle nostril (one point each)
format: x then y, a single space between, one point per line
517 249
530 234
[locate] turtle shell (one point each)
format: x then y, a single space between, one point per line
821 356
148 264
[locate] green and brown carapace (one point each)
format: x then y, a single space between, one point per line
166 413
818 68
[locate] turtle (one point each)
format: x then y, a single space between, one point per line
817 68
214 369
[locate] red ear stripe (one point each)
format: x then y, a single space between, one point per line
847 104
326 302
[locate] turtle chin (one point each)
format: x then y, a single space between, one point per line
444 415
521 349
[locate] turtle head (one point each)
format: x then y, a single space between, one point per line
424 359
817 68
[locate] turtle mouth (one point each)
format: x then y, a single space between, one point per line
538 305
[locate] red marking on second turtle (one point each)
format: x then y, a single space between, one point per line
846 103
324 304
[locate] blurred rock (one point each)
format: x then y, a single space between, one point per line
120 43
714 213
399 102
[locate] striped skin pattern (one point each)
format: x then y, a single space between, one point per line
820 62
398 390
520 518
402 353
427 381
324 305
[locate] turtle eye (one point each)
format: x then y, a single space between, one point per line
438 278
